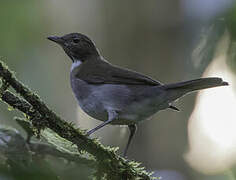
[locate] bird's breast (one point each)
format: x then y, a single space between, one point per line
89 103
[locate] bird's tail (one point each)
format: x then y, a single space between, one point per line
196 84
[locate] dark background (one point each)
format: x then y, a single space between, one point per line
167 40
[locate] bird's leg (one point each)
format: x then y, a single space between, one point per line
112 115
132 129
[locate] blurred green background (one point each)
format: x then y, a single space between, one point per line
167 40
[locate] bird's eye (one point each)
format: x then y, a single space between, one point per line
76 40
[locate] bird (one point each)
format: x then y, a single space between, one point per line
116 95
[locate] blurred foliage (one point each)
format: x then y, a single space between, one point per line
205 48
19 161
24 17
231 26
231 22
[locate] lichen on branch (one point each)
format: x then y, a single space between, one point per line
108 163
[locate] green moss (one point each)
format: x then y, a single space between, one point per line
60 143
65 137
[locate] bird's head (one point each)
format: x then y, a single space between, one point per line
77 46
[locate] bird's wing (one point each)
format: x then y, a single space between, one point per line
105 73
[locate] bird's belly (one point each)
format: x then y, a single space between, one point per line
87 101
133 104
139 111
93 108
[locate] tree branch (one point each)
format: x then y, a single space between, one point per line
109 164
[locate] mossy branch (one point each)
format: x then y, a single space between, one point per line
109 164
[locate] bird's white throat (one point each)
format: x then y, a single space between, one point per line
75 64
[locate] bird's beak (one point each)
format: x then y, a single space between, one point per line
56 39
